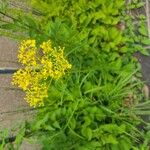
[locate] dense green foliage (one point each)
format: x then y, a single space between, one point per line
96 106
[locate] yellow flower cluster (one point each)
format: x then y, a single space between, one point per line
22 78
58 63
27 53
39 65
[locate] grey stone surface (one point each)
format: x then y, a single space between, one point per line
145 64
30 146
8 53
11 103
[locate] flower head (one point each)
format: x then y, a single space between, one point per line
38 68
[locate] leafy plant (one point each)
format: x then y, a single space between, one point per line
96 105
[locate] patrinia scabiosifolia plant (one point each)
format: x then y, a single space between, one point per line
95 105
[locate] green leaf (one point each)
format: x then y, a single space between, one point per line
145 52
48 127
40 122
72 123
95 144
53 116
118 64
87 121
119 4
56 125
87 132
109 139
125 143
30 21
20 136
113 33
9 26
140 4
99 15
145 41
143 30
